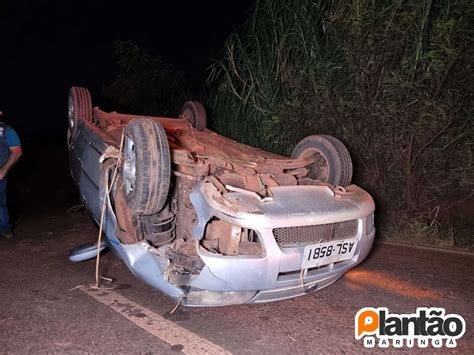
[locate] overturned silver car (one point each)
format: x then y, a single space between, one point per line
209 221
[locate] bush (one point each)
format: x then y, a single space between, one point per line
146 84
391 79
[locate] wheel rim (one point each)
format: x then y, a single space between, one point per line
129 165
318 170
70 111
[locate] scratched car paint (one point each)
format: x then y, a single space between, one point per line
210 221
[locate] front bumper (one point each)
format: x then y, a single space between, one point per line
275 277
277 274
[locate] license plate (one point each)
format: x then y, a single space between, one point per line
327 253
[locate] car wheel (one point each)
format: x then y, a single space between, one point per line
146 167
332 164
79 107
195 113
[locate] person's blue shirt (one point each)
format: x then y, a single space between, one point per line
11 138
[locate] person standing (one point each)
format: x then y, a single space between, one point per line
10 152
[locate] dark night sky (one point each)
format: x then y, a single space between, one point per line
49 45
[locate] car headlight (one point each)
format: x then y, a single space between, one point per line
223 238
217 298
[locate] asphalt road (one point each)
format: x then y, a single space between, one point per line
42 309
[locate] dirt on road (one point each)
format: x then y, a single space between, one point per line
42 310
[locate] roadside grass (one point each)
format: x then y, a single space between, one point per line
454 233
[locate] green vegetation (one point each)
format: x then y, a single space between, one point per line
392 79
147 84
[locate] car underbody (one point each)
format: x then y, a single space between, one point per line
237 222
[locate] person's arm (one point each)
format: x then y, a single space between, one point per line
15 154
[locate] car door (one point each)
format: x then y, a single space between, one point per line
85 152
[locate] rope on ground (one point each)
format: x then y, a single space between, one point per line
177 305
107 190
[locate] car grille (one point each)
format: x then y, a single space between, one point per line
303 235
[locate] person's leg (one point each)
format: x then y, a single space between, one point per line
4 219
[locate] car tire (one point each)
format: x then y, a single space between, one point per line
79 108
195 113
146 167
334 163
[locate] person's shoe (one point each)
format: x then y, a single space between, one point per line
6 234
